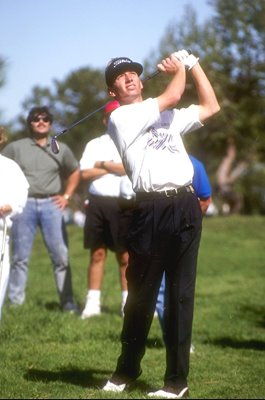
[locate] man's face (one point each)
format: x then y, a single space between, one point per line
127 88
40 124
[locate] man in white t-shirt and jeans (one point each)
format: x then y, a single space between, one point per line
105 225
165 230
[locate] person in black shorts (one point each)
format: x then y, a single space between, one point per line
106 223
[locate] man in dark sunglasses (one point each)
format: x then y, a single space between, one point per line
49 194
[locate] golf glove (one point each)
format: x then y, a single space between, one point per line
189 60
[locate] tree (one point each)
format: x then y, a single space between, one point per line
231 47
2 73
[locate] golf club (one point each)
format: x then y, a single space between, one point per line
3 246
55 145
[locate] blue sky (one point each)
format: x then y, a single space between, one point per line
42 41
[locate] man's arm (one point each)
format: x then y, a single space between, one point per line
204 204
102 168
71 185
208 104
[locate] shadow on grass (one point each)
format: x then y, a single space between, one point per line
73 376
255 313
239 344
51 306
85 379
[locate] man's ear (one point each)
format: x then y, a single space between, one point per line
111 93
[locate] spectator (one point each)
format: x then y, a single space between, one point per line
49 194
13 196
104 227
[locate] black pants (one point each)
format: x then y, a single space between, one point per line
164 236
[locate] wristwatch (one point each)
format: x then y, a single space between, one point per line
66 196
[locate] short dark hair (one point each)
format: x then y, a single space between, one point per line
35 111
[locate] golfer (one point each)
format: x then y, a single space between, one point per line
166 225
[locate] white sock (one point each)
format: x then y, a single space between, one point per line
124 295
94 295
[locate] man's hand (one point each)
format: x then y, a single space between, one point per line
5 210
187 59
61 201
170 65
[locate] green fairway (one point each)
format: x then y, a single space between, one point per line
47 354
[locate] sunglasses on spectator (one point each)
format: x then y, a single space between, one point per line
37 119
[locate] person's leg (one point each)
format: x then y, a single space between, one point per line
180 281
5 268
98 239
160 305
122 259
95 274
22 235
54 233
144 274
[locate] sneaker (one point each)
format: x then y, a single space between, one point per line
70 307
91 308
112 387
167 393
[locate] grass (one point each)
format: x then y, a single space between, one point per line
48 354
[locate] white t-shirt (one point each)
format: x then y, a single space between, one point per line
102 149
151 146
13 188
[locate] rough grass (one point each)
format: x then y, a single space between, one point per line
48 354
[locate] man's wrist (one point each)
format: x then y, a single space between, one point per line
102 164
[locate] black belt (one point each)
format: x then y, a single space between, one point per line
42 196
164 193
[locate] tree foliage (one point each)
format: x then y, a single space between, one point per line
231 48
2 73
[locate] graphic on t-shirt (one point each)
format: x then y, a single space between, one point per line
161 140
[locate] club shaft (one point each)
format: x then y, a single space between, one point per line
81 120
98 109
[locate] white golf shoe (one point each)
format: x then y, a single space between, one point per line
112 387
167 394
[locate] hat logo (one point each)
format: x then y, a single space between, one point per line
121 61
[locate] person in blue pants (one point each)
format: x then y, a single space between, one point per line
203 191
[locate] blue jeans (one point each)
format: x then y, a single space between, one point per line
160 304
42 213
